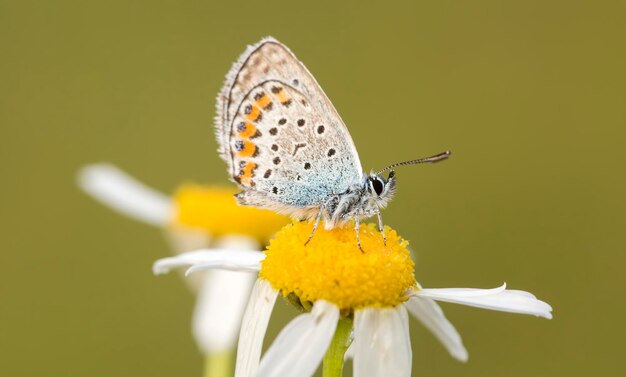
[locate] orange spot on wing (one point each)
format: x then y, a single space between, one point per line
247 173
249 148
254 114
249 131
263 102
283 96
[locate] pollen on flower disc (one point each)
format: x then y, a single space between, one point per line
331 267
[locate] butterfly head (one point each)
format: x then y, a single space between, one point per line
381 190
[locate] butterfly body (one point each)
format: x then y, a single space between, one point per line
359 200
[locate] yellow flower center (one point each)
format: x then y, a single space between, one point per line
215 210
331 267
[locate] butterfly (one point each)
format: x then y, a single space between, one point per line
287 147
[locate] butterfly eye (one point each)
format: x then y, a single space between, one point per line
377 185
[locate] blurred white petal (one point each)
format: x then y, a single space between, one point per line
500 299
253 328
219 308
226 259
382 346
300 347
125 194
183 239
222 301
431 315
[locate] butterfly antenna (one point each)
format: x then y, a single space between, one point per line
430 160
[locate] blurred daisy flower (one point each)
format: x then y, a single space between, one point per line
349 298
196 217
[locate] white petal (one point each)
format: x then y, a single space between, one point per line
501 299
219 308
226 259
382 346
431 315
121 192
299 348
222 301
253 328
467 292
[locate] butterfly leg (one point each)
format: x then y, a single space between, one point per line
357 225
381 227
317 222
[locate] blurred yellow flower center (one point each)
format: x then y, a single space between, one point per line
331 267
215 210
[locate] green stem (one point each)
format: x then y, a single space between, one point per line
333 360
218 364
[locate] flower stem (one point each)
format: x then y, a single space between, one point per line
333 360
218 364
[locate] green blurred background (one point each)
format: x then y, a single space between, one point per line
530 97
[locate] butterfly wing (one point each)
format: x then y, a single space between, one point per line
283 140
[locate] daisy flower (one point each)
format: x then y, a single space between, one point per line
196 217
346 296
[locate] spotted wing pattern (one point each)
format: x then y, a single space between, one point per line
283 140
